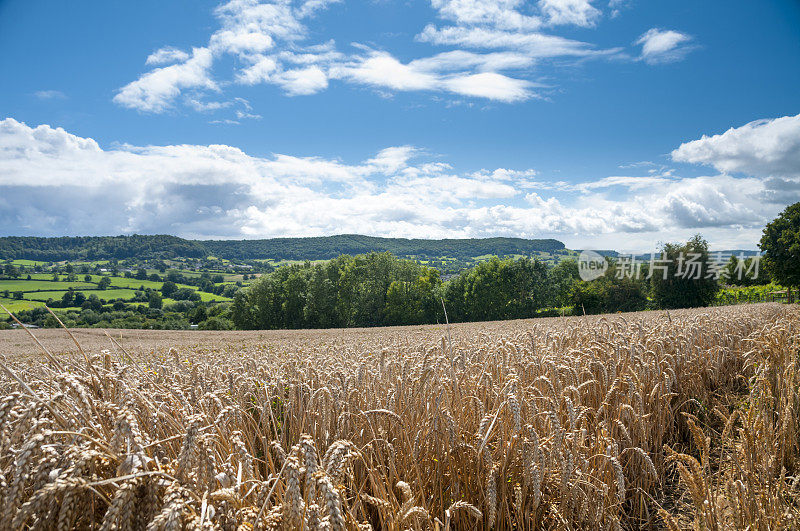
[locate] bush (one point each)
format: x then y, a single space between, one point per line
216 323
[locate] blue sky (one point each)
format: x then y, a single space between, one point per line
608 124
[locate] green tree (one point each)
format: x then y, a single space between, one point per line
414 302
104 283
67 299
80 298
168 288
12 271
87 278
18 295
780 244
154 300
560 281
320 302
199 314
93 302
683 276
216 323
499 289
609 294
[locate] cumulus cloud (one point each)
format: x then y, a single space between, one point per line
221 191
663 46
576 12
764 148
166 55
156 90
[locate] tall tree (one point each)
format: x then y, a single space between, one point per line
684 275
780 244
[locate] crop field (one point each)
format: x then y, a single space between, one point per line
679 420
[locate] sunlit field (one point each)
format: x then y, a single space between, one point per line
655 420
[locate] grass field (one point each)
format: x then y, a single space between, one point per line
14 305
37 291
41 285
206 297
686 420
27 263
133 283
106 294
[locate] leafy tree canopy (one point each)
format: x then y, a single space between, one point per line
780 244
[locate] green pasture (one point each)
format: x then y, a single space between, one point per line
17 306
207 297
121 282
27 263
104 294
41 285
40 276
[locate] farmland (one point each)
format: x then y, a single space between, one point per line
91 294
686 419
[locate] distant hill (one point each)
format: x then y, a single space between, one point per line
98 247
325 247
314 248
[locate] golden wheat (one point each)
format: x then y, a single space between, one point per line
607 422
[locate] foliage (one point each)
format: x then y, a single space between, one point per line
364 290
745 272
498 289
99 247
609 294
674 282
326 247
780 244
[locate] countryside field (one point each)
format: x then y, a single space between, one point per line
655 420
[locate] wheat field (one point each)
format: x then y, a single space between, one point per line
680 420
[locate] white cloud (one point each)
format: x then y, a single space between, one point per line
762 148
577 12
259 72
221 191
269 43
663 46
631 183
382 70
241 42
50 95
533 45
156 90
500 13
490 85
165 55
379 69
459 60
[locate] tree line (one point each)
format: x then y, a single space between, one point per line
146 247
379 289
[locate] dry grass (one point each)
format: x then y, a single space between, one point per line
686 420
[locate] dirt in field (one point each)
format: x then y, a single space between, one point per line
18 343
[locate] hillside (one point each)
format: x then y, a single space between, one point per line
314 248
